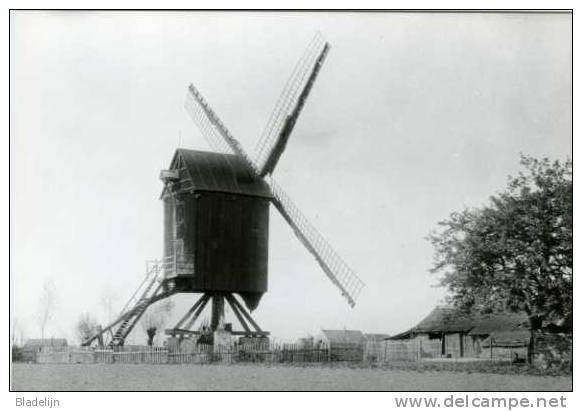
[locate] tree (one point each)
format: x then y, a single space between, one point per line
516 252
86 327
155 319
46 306
18 332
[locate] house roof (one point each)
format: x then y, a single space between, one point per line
490 323
452 320
517 337
344 336
47 342
210 171
376 337
445 319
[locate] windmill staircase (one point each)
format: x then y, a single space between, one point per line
149 291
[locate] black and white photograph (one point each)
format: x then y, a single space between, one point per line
291 200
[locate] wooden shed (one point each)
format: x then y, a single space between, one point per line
35 346
442 333
452 333
500 335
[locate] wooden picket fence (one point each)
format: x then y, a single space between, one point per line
265 353
242 353
142 355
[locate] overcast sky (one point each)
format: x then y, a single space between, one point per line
413 116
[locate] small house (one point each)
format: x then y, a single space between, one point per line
442 333
452 333
344 345
502 336
35 346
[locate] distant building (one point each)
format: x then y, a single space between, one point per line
345 345
374 350
501 336
451 333
36 345
306 342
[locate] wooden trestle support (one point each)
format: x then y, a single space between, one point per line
184 326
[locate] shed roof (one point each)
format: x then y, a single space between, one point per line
47 342
517 337
376 337
452 320
445 319
210 171
487 324
344 336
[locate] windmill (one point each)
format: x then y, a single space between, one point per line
216 217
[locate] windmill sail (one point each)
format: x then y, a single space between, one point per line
213 129
280 125
339 273
334 267
202 116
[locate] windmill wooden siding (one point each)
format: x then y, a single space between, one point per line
230 246
216 226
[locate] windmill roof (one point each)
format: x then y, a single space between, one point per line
210 171
344 336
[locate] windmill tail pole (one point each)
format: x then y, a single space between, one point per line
139 305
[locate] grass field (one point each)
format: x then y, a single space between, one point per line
129 377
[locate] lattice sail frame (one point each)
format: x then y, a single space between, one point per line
288 99
220 139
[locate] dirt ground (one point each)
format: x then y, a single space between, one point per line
129 377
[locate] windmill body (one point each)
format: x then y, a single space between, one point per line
216 218
216 226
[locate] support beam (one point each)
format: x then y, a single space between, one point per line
190 311
234 301
251 328
240 318
217 314
181 331
198 312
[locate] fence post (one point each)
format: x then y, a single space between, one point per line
491 348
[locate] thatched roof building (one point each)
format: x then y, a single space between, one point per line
450 332
441 320
503 330
447 320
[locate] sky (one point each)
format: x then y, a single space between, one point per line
413 116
